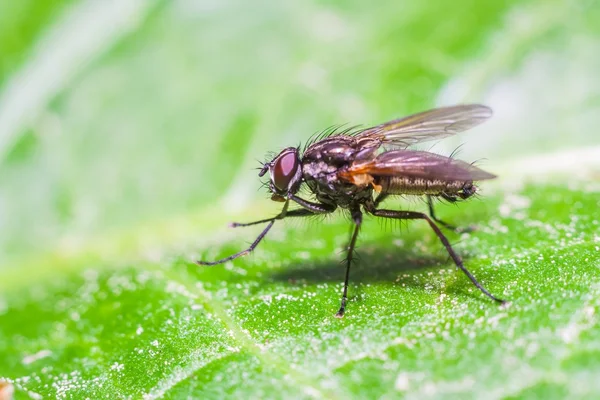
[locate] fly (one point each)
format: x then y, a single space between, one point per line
357 169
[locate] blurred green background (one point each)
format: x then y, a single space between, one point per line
131 129
120 113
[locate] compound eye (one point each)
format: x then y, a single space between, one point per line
284 169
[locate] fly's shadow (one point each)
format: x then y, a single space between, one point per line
381 265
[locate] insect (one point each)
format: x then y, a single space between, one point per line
356 169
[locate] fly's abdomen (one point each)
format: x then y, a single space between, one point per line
417 186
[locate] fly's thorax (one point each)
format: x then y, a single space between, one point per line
336 151
322 161
322 177
317 169
324 182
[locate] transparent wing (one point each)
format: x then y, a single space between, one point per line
417 164
429 125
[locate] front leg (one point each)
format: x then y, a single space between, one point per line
308 210
293 213
316 208
281 215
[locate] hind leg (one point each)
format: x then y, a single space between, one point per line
443 223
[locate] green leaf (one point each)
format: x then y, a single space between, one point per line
265 324
123 162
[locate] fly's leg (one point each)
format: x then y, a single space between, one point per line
439 221
292 213
281 215
442 223
315 208
243 252
357 218
457 260
303 212
381 197
308 209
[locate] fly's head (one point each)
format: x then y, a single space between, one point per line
285 171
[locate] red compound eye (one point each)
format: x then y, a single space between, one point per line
284 169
